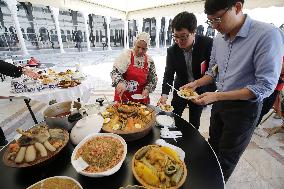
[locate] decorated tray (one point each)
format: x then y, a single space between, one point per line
35 146
130 120
158 167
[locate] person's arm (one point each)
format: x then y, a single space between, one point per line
120 66
117 77
210 97
10 69
267 63
282 68
152 78
268 54
208 52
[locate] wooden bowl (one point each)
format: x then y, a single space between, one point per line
39 160
135 134
142 182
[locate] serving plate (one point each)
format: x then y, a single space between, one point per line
164 120
134 133
166 107
39 160
136 162
55 182
138 96
188 97
80 165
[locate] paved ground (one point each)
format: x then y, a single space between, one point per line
260 167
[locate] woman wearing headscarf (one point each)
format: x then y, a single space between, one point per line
134 72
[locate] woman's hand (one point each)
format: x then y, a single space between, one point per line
145 93
31 73
120 88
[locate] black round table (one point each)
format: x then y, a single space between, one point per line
202 165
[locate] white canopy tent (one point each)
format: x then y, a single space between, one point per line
137 9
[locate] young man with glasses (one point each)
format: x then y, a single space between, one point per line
188 59
246 63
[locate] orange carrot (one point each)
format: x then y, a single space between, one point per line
130 124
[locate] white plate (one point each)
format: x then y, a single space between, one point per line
164 120
105 173
63 177
85 126
162 108
188 98
137 96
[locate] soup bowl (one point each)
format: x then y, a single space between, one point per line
57 115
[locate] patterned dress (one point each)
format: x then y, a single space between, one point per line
121 65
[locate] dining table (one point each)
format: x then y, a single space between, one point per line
81 92
203 168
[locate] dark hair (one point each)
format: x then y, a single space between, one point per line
184 20
213 6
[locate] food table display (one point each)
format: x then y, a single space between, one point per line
61 86
201 168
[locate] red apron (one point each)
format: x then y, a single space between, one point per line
137 76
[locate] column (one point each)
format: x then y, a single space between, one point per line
126 44
171 39
55 13
108 32
158 28
166 31
12 5
85 15
140 24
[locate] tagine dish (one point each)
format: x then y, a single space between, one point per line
130 120
35 146
158 167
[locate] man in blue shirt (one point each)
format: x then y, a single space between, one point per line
246 63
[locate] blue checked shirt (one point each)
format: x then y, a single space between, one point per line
252 60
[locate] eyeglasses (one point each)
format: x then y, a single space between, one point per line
181 38
216 20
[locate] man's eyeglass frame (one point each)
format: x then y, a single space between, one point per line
182 38
218 19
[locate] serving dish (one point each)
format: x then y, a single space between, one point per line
164 120
85 126
187 93
138 96
166 107
58 182
130 120
99 154
157 167
36 145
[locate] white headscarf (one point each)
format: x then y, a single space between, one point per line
144 37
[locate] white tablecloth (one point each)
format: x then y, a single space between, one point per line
82 91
